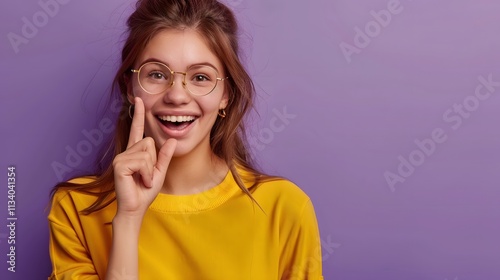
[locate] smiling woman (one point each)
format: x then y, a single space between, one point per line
181 199
198 96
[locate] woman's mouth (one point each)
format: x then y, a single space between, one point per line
176 123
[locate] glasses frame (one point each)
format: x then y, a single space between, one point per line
184 85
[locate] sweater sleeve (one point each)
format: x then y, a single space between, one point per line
69 256
301 257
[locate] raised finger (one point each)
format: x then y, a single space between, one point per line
137 127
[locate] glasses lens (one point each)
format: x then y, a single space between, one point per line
154 78
201 80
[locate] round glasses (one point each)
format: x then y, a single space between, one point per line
156 77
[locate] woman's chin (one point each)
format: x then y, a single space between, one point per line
181 150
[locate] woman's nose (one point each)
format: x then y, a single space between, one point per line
177 92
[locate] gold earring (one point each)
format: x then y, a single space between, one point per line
222 113
130 108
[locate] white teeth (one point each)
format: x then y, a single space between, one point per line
176 118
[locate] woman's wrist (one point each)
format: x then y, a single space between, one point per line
123 260
127 221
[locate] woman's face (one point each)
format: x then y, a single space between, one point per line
175 112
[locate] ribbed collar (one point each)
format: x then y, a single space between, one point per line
198 202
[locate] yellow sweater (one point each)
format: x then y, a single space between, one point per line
219 234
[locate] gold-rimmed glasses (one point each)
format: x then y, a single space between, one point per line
156 77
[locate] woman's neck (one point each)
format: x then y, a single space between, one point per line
194 173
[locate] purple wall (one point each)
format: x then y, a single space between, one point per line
384 112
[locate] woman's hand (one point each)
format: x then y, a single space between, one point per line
139 173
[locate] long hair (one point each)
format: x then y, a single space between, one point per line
216 24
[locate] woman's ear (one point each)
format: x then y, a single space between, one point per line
130 94
130 97
224 101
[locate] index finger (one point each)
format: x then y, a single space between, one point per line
137 127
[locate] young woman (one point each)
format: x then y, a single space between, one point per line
181 199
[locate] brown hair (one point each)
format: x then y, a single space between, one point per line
217 25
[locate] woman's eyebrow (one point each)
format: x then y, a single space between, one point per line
152 59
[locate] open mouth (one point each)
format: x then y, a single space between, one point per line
176 122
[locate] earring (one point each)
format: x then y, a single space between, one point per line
130 109
222 113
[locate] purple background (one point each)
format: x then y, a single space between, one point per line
352 122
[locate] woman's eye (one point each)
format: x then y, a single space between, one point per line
201 78
157 75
